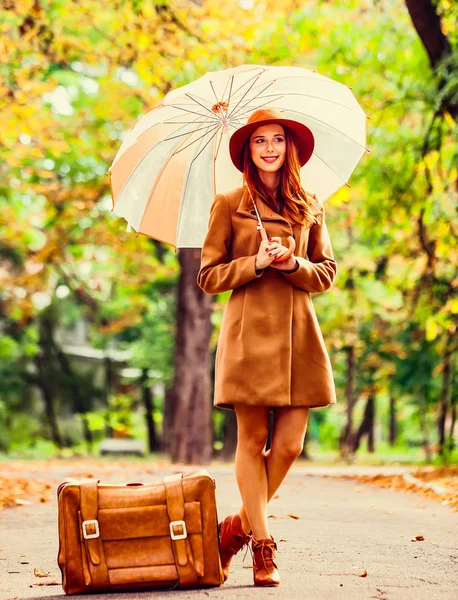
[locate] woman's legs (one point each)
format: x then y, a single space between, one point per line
250 466
290 425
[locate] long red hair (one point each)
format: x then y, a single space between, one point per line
289 199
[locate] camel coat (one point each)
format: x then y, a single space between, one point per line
271 350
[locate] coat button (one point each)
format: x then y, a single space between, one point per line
253 212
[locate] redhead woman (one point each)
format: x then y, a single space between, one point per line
271 354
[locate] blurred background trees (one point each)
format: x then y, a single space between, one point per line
105 334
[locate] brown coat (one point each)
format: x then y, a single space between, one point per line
271 350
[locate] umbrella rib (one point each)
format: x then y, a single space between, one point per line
213 90
235 107
203 147
311 96
172 137
188 173
179 107
178 122
218 147
158 177
230 93
199 138
256 107
240 113
248 80
140 161
329 167
324 123
203 106
325 80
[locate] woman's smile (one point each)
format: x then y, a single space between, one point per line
268 152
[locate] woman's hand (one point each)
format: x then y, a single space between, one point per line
285 265
264 257
277 250
269 251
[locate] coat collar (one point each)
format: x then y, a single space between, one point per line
265 212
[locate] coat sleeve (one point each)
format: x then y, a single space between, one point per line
218 273
317 274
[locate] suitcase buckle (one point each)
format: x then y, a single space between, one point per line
91 536
178 536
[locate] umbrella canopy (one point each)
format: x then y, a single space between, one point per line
176 157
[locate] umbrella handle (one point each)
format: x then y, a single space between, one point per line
291 244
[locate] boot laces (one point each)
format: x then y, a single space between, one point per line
271 546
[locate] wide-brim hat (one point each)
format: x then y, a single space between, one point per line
301 134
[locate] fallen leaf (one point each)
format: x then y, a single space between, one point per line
363 574
418 538
276 496
443 483
282 540
44 583
292 516
14 490
22 502
272 517
38 573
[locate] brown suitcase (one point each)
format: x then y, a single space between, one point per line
136 537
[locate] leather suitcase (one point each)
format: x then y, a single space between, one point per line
134 536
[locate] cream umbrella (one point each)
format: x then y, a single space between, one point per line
176 157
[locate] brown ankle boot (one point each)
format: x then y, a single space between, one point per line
232 538
265 570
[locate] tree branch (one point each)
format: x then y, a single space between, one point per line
428 26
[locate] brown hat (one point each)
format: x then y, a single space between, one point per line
303 137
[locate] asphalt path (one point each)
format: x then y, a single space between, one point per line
342 530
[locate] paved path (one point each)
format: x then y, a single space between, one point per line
343 529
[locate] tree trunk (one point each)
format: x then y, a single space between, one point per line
167 420
229 435
81 403
393 425
367 425
350 398
148 403
428 26
88 437
370 433
305 451
424 427
108 367
192 439
446 394
45 387
451 436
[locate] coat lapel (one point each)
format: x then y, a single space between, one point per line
266 213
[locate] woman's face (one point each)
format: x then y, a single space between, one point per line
268 147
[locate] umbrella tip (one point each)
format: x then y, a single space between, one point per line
368 151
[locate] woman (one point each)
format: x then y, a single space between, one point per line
271 354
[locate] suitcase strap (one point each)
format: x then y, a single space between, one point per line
89 505
180 542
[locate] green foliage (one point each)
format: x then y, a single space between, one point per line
74 85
